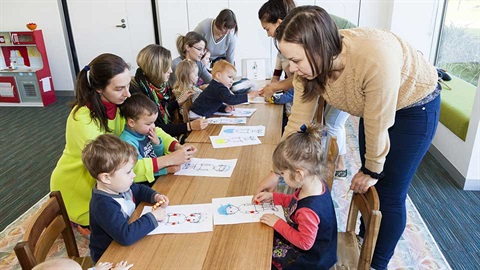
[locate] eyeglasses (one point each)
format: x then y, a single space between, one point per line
199 49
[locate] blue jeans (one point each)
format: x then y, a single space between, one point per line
335 122
410 138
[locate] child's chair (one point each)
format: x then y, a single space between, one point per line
331 161
348 253
50 221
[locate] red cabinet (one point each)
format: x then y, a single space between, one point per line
8 89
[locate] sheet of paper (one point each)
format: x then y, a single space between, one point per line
189 218
208 167
46 84
225 141
239 112
257 100
227 120
235 210
258 131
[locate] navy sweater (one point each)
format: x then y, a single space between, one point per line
109 222
212 99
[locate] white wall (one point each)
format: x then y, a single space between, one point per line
14 14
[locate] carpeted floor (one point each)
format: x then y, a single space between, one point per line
416 250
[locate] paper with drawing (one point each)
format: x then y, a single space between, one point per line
243 130
208 167
191 218
236 210
224 141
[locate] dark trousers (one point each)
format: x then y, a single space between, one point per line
410 138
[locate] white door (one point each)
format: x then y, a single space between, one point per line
120 27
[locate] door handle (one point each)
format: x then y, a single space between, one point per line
121 25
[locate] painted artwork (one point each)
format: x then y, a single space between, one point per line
225 141
239 112
236 210
190 218
258 131
227 120
208 167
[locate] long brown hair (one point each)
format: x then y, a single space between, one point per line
313 29
273 10
100 72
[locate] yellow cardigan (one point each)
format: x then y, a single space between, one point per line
70 175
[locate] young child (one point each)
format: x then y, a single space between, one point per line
218 92
206 59
308 240
110 161
185 85
140 114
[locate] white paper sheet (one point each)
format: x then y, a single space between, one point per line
46 84
208 167
239 112
235 210
257 100
189 218
258 131
227 120
225 141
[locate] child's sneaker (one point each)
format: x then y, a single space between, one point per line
84 231
341 175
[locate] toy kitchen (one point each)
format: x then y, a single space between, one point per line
25 78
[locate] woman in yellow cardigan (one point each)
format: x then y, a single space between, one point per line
100 87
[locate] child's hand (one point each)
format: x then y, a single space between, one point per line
269 219
199 124
252 95
262 197
162 199
159 213
229 108
103 266
173 169
121 266
152 135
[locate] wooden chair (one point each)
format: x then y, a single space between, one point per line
50 221
348 254
331 161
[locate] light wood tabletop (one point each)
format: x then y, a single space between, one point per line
269 115
241 246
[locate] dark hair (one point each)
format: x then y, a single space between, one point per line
226 18
137 105
301 150
273 10
190 39
100 72
313 29
106 154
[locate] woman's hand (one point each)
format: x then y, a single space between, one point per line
262 197
268 90
164 201
184 96
269 219
361 182
183 154
252 94
173 169
199 124
152 135
269 183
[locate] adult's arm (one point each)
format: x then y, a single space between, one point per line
230 53
203 73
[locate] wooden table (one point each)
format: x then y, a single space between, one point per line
241 246
269 115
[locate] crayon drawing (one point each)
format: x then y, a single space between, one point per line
208 167
224 141
235 210
239 112
191 218
227 120
238 130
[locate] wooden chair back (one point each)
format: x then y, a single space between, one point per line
50 222
331 161
349 256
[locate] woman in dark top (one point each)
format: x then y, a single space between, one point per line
154 62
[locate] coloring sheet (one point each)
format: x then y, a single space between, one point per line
227 120
224 141
235 210
239 112
257 100
189 218
258 131
208 167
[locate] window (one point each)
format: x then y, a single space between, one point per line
459 47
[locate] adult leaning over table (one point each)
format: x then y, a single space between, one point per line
377 76
100 88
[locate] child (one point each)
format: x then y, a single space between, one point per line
110 161
217 93
308 240
206 60
140 114
187 76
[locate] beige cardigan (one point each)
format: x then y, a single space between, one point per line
382 74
